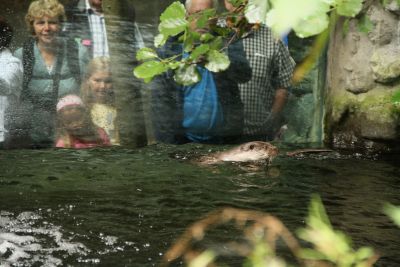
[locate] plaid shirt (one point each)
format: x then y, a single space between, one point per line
99 33
272 68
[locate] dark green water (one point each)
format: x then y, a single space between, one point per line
125 207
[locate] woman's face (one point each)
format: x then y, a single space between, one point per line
100 85
46 29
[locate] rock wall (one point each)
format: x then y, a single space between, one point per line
363 74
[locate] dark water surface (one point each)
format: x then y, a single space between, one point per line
122 207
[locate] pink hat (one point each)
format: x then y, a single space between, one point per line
69 100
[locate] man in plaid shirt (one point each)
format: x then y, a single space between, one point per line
264 95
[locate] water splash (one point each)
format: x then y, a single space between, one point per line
26 239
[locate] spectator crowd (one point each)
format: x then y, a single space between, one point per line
57 89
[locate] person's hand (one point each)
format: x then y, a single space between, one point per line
274 122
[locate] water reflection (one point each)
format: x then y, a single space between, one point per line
55 62
76 129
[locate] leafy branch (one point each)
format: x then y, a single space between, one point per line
201 39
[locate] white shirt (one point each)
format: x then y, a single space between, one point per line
98 30
10 85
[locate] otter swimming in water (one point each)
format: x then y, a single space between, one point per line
250 151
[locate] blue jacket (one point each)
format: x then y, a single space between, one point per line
167 98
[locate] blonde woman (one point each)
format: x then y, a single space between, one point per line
98 95
52 68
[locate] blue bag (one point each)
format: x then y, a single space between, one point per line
202 111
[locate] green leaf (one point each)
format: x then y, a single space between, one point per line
364 24
256 11
396 98
236 3
173 20
312 26
189 39
386 2
147 80
364 253
217 43
199 50
149 69
346 27
317 210
222 31
173 65
348 8
203 260
283 17
311 254
188 45
160 40
393 212
217 61
146 53
206 37
187 75
202 18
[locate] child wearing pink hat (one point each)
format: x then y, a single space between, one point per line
75 128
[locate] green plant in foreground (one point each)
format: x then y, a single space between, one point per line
393 212
330 245
264 238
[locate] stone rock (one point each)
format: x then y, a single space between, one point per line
385 64
363 73
349 141
381 130
384 23
393 7
378 117
358 80
366 121
355 44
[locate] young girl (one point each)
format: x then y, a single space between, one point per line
98 95
75 128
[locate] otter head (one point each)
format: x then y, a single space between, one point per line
251 151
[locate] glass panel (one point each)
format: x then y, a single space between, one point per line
98 55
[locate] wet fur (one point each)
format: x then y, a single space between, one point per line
247 152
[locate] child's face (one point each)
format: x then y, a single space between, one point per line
75 121
100 84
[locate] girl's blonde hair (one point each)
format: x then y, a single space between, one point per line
41 8
97 64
